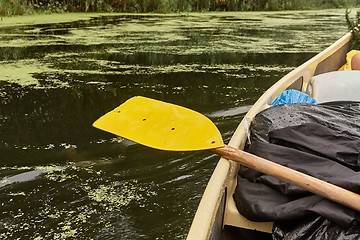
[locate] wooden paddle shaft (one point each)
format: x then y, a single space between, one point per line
312 184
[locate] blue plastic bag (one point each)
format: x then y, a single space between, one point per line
293 96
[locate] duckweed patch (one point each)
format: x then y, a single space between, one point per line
74 214
119 194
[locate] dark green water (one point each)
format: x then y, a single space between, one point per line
62 179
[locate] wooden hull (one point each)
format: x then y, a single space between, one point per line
217 216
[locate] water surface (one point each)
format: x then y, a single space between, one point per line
61 179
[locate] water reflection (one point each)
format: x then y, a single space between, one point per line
61 178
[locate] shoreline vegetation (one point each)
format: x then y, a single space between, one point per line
26 7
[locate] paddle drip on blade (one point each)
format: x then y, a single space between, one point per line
161 125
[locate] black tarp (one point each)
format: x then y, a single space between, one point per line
320 140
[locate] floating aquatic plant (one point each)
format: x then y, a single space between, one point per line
119 194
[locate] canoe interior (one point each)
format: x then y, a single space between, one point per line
217 216
236 233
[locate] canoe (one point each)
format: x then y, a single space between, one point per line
217 216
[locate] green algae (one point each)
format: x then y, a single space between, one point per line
23 72
170 28
74 219
116 195
155 35
47 18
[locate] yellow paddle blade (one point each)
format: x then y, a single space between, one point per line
161 125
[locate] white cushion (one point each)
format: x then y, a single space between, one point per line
335 86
